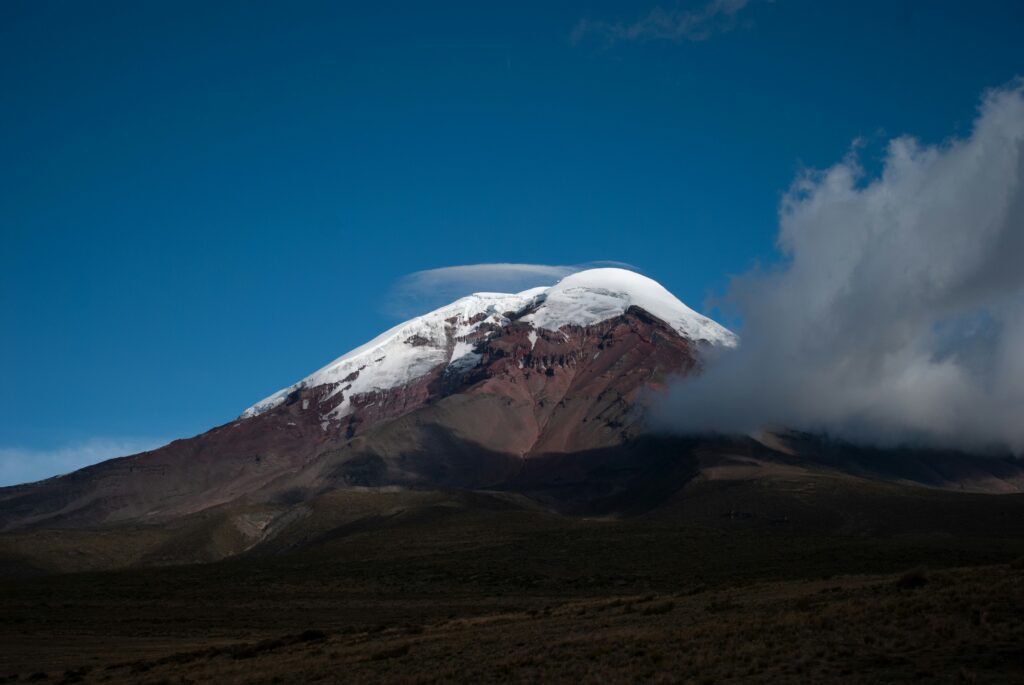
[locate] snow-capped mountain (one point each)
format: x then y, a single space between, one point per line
449 337
461 397
540 393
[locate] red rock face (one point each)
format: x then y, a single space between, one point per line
570 390
563 379
581 385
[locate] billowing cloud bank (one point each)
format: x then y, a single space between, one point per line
897 314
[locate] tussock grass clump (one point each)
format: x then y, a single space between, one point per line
393 653
75 675
720 605
914 578
658 608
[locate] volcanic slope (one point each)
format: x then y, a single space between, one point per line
461 396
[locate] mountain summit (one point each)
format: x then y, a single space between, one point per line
460 397
450 340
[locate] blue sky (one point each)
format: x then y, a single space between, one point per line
203 202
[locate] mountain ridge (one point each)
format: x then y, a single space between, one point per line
552 416
503 377
449 334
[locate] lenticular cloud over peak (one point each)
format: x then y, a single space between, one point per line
897 314
424 290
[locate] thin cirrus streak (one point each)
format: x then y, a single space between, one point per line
421 291
694 25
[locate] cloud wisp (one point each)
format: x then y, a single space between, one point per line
676 25
422 291
24 465
897 313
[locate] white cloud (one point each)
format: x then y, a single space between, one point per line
699 24
897 314
23 465
422 291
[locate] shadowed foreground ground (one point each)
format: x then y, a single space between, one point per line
951 626
446 594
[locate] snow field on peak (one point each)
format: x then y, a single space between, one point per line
412 349
589 297
408 351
